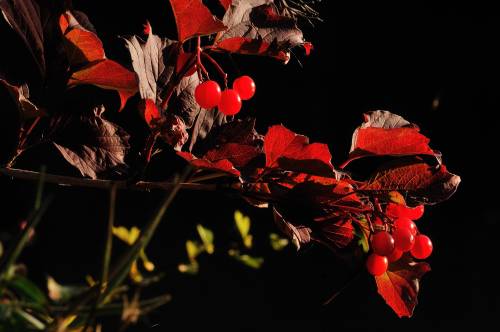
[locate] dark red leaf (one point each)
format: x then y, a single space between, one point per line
238 154
149 111
387 134
194 19
399 286
421 183
225 3
224 165
24 18
290 151
83 47
182 60
250 46
107 74
335 231
255 27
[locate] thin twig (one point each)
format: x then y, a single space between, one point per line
103 184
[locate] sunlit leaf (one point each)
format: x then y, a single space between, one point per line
277 242
207 237
128 236
60 293
250 261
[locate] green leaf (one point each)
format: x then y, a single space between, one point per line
27 290
277 242
207 237
30 319
193 249
243 224
361 231
250 261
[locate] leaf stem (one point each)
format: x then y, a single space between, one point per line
219 69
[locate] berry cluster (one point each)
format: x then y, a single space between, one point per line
396 238
209 95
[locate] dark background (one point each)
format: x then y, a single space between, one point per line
403 59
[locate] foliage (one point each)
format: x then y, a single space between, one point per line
311 199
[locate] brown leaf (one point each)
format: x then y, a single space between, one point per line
24 18
255 27
399 286
94 146
297 234
20 95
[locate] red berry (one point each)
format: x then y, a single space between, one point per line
230 102
376 265
395 255
382 243
403 222
422 247
207 94
416 213
403 239
245 87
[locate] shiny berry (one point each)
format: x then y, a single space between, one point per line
422 247
376 265
382 243
207 94
230 102
403 239
245 87
395 255
416 212
403 222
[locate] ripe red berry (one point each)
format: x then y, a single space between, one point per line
207 94
422 247
403 239
230 102
416 212
376 265
404 222
245 87
382 243
395 255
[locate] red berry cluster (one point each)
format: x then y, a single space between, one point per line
389 246
209 95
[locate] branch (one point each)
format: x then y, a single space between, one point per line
103 184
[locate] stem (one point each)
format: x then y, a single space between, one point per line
28 132
104 184
109 238
169 90
201 69
219 69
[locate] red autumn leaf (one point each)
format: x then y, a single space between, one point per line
255 27
149 111
193 18
420 182
290 151
250 46
107 74
399 286
224 165
238 154
335 231
84 48
387 134
225 3
182 60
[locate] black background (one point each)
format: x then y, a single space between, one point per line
365 58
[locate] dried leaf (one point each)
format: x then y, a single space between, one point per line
95 146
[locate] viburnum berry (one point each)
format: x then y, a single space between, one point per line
395 255
245 87
382 243
208 94
404 222
422 247
376 265
416 212
230 102
403 239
